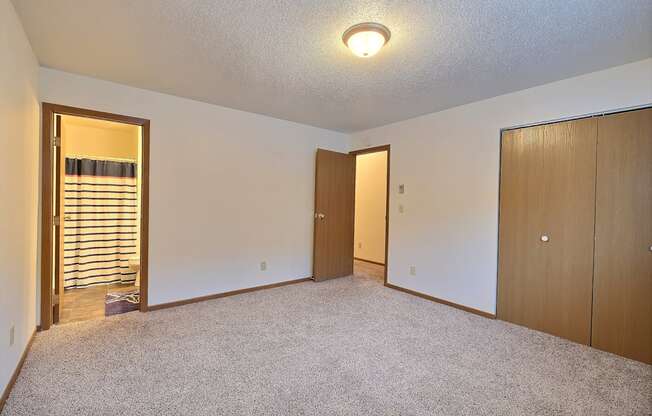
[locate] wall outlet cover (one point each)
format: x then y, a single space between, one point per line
12 333
263 265
413 270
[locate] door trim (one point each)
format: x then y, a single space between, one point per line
377 149
578 117
47 237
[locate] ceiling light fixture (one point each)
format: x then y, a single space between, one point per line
366 39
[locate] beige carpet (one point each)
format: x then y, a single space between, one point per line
342 347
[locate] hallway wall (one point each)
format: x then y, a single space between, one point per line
19 157
370 205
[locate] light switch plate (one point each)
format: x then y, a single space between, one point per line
263 265
401 189
12 333
413 270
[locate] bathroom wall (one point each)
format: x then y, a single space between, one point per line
19 180
99 139
370 205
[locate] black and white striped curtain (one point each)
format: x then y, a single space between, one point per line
100 223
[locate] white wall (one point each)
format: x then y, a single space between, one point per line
19 157
228 189
370 205
449 163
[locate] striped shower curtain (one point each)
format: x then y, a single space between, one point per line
100 223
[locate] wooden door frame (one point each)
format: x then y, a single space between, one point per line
47 212
377 149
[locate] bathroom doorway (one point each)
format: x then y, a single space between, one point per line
95 206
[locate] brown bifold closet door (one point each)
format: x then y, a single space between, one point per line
520 263
622 310
547 203
569 215
334 215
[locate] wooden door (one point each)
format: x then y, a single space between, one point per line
334 215
569 213
520 263
546 228
59 178
622 310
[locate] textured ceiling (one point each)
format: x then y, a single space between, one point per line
285 58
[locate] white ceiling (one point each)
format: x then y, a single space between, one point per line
285 58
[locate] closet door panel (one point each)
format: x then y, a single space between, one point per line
569 213
520 271
622 311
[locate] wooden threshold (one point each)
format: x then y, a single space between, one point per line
226 294
442 301
369 261
14 376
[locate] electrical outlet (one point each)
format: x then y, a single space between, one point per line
413 270
359 245
12 332
263 265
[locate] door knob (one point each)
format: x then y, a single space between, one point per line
545 238
320 216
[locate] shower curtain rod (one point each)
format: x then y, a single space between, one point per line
110 159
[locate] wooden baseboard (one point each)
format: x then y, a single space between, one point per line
442 301
369 261
225 294
14 376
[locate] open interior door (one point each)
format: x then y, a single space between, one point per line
334 215
58 204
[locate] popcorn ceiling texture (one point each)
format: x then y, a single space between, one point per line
285 58
348 346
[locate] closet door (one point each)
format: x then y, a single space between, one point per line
520 264
567 236
622 310
547 204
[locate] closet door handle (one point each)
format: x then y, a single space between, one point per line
545 238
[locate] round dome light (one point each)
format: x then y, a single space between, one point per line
366 39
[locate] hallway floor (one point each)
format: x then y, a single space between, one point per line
370 270
346 346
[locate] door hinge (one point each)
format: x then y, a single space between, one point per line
56 141
56 220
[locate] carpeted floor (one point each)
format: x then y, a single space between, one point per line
343 347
